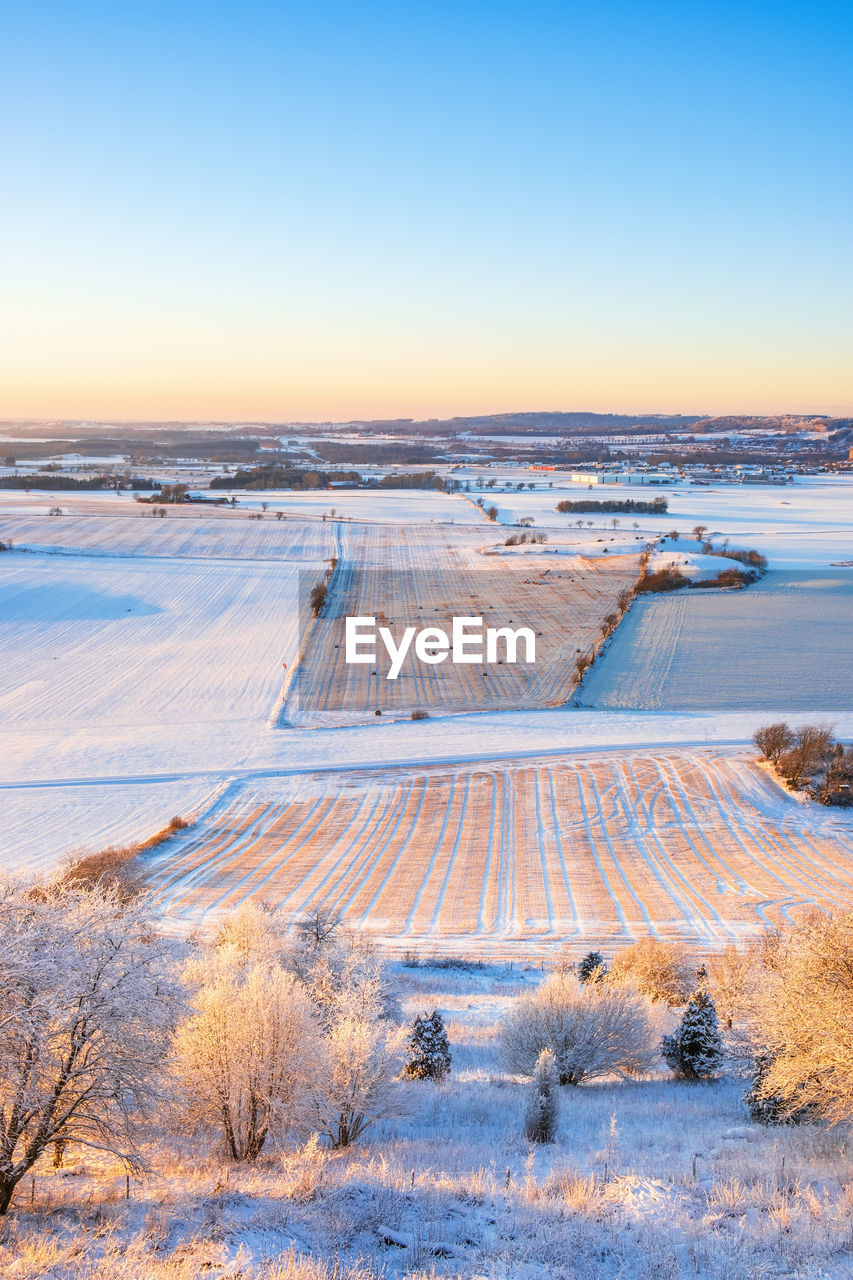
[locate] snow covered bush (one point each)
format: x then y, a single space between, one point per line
251 1053
695 1051
803 1019
89 1000
593 1028
660 970
540 1119
428 1049
358 1086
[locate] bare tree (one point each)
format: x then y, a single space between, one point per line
594 1029
809 752
90 998
773 739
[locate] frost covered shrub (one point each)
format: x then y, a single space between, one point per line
803 1019
289 1031
89 1000
363 1056
251 1052
594 1029
540 1119
659 970
766 1107
695 1051
428 1049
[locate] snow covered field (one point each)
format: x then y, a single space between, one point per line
807 524
696 845
647 1180
783 645
143 673
423 577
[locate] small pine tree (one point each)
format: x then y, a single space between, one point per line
592 968
695 1050
429 1051
540 1118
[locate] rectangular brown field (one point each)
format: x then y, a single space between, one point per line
425 578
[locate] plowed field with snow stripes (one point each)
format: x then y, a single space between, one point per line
423 578
184 536
697 845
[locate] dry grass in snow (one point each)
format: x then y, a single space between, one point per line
646 1179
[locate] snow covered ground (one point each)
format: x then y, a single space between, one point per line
647 1180
142 657
783 643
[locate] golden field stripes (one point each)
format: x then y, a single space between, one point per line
693 844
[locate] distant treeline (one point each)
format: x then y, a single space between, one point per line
410 480
654 508
273 476
52 480
367 453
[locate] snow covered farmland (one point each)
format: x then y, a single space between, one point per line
781 646
696 845
143 678
422 577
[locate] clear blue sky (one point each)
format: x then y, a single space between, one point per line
341 210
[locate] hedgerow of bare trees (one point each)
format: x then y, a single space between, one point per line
808 758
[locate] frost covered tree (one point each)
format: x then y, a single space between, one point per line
695 1051
731 977
428 1049
660 970
540 1118
803 1021
592 968
89 1001
362 1060
593 1028
251 1052
767 1107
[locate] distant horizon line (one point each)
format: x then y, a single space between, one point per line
364 421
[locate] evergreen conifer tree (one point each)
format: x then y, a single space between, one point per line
429 1051
695 1050
592 967
540 1119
